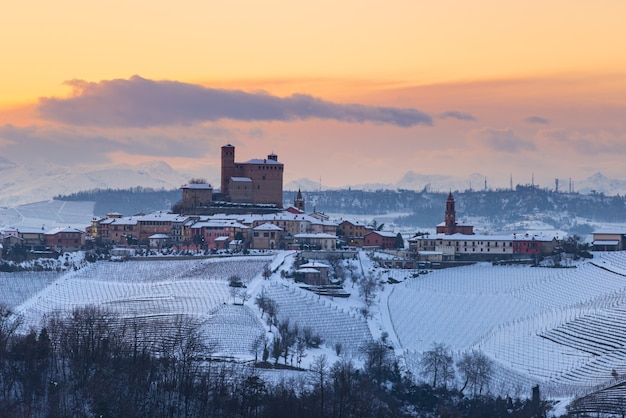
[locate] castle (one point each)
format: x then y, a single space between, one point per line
257 182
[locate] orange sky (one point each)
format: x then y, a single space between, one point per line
511 87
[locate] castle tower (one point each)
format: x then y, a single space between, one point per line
228 166
450 219
298 202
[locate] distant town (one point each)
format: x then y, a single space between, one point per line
247 213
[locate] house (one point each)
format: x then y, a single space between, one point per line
154 223
609 240
314 241
266 236
215 233
462 247
65 239
313 273
158 240
196 195
531 244
32 238
118 231
353 233
380 239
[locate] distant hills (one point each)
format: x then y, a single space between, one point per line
597 183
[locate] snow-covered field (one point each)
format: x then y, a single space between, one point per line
562 328
48 214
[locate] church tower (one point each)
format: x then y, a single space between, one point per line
450 219
298 202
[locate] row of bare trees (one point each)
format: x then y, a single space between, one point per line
90 362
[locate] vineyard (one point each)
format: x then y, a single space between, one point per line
564 329
561 328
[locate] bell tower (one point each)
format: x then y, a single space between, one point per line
298 202
450 219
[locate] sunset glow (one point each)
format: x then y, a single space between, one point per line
346 92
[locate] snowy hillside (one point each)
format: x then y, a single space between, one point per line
560 328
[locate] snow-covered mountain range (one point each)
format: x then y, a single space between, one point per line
21 184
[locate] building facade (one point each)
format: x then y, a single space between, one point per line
257 181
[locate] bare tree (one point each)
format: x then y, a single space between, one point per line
437 364
319 376
476 370
379 361
367 288
267 272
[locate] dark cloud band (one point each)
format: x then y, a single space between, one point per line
454 114
138 102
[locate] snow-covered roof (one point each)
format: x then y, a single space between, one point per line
159 236
610 231
307 270
262 161
59 230
220 239
314 265
455 224
387 234
355 223
29 230
267 227
119 221
218 223
198 186
478 237
605 242
158 216
319 236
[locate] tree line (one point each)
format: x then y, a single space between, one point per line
91 362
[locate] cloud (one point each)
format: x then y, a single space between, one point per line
588 143
138 102
505 140
457 115
537 120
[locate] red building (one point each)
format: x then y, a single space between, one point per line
65 239
533 245
380 239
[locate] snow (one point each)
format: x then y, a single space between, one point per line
564 329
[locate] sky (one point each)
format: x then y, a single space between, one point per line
347 92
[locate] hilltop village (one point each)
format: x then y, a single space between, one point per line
247 213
